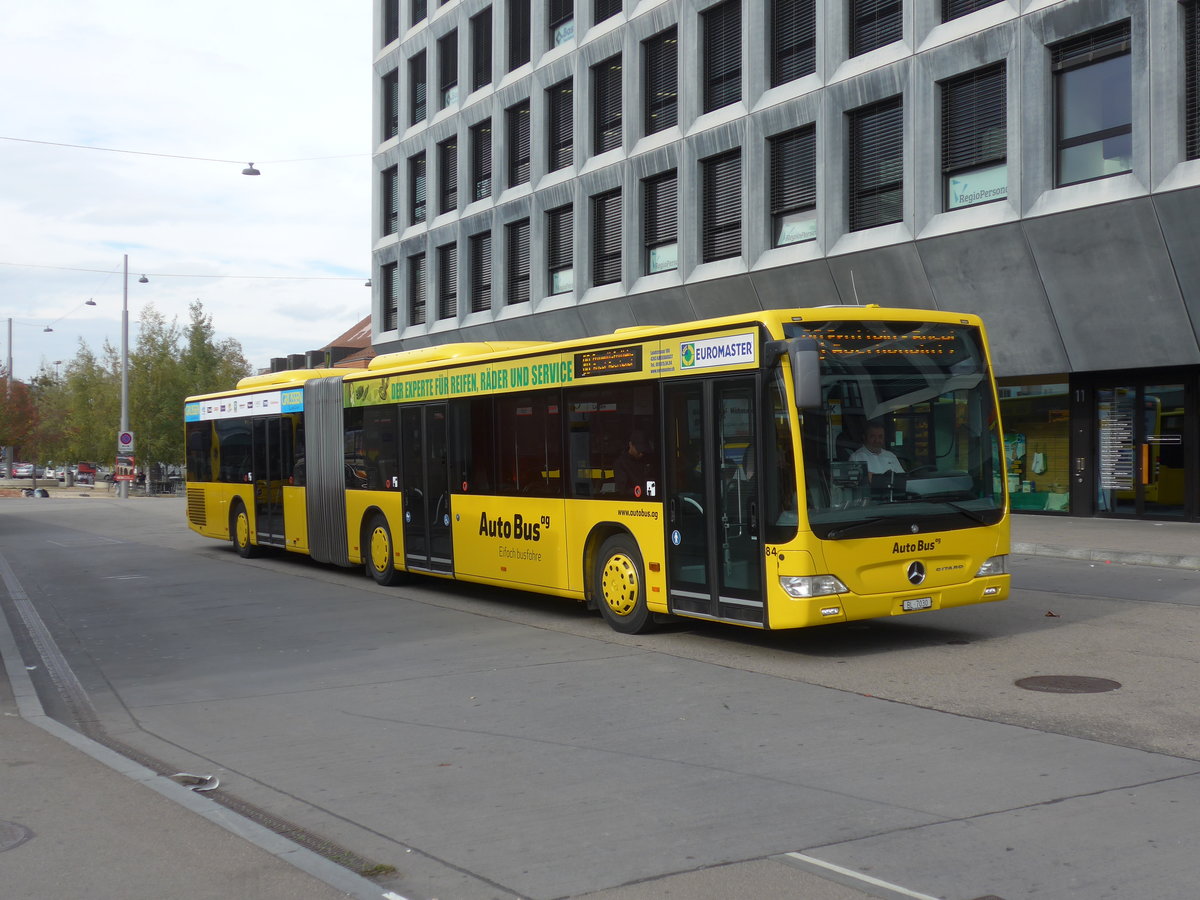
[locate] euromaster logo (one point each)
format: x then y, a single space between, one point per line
733 350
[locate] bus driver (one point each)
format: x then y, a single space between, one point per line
878 458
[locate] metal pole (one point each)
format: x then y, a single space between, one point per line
123 488
8 396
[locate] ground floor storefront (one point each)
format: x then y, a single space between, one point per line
1121 444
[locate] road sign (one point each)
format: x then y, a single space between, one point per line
125 442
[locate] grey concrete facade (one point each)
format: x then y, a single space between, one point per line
1091 277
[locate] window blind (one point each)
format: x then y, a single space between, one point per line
606 110
874 23
794 170
662 81
447 281
416 289
793 40
561 126
722 196
606 237
722 55
876 164
517 241
974 119
481 271
517 129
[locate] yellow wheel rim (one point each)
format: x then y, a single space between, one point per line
619 584
243 530
381 550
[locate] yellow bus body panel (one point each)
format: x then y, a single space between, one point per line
517 541
876 572
295 518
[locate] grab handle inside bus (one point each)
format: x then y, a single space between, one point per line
806 369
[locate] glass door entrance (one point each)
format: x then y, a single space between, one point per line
1141 450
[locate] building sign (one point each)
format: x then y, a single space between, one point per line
980 186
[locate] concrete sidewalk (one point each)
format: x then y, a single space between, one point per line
78 820
1140 543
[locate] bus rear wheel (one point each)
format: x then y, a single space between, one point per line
619 586
379 552
239 530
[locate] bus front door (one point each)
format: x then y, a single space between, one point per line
425 477
714 550
270 450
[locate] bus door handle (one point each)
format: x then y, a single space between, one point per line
673 509
754 518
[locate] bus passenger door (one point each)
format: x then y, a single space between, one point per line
425 480
714 550
269 478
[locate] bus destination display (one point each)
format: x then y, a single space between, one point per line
610 361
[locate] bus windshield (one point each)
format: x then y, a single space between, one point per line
907 438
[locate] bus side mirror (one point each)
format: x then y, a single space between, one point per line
806 369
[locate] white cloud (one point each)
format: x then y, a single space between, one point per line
246 82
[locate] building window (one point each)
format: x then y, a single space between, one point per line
560 15
876 164
481 160
419 11
794 186
448 175
605 9
606 105
606 237
389 292
874 23
975 137
416 188
481 49
1093 105
519 27
662 81
447 256
447 47
561 127
516 241
1191 34
793 40
416 289
660 210
416 88
559 223
389 190
391 104
391 21
953 9
516 127
722 26
721 235
481 271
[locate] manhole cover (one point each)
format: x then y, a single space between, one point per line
13 835
1068 684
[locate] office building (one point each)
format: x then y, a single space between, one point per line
552 168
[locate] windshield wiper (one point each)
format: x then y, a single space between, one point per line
854 526
966 511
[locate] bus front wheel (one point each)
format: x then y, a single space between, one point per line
240 533
619 586
379 552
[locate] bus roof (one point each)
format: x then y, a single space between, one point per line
462 352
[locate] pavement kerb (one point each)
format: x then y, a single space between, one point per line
31 710
1089 554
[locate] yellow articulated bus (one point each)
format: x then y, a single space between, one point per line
777 469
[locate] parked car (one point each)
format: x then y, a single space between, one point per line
22 470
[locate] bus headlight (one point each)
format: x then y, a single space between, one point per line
995 565
802 586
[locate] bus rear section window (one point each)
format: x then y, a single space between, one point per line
907 434
233 450
199 451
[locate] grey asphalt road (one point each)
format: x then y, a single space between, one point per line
495 745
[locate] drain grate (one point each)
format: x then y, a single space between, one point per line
1067 684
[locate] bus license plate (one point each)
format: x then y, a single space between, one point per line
916 603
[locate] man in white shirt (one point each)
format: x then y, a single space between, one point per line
878 458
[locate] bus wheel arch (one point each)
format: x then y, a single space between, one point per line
379 549
241 534
617 576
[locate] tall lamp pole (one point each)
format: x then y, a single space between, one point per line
123 487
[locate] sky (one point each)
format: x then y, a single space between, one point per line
285 85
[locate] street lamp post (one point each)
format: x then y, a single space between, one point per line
123 487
